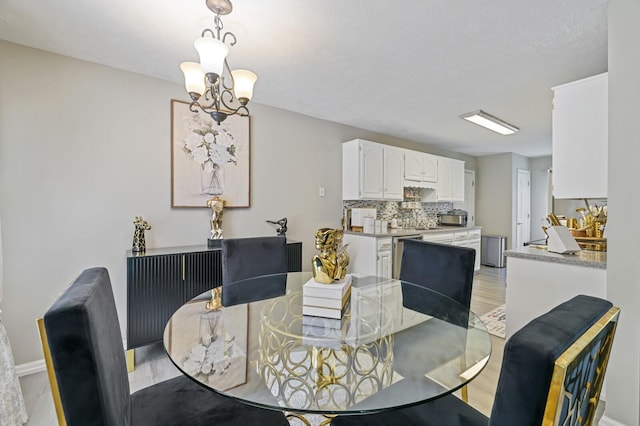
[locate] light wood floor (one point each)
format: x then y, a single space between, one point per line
153 366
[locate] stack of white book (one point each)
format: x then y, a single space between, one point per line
326 300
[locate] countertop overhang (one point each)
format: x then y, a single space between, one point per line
587 258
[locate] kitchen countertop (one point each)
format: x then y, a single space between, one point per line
402 232
590 259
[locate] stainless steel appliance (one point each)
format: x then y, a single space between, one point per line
455 217
398 248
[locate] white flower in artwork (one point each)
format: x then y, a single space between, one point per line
225 138
192 140
208 144
220 154
209 138
200 155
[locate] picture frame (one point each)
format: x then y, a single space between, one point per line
208 159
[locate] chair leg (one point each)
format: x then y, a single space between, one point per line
55 391
131 360
465 394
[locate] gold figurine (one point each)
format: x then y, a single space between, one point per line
331 264
216 204
140 225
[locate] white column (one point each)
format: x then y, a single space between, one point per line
623 227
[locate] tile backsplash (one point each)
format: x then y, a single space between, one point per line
425 216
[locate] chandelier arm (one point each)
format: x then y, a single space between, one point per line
227 93
229 34
192 106
233 83
210 101
208 30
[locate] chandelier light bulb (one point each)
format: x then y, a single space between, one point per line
193 78
212 54
243 81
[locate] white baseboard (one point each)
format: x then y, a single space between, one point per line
39 366
31 368
606 421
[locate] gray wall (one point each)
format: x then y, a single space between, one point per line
496 183
623 268
493 195
85 148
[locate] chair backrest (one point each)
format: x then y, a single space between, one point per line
553 368
244 258
88 358
444 268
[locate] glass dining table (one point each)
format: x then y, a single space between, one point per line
397 344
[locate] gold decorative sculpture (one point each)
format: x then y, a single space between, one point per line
216 204
140 225
331 263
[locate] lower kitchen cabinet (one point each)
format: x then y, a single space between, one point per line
466 238
162 280
370 255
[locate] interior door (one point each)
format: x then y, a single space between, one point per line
469 203
523 208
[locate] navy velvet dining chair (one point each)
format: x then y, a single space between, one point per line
444 268
87 357
552 373
244 258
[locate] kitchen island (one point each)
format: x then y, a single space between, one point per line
538 280
380 254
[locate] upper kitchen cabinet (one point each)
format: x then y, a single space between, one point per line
580 141
371 171
420 167
450 180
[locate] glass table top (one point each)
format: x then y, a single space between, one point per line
397 344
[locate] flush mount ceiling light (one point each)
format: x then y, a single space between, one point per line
213 87
483 119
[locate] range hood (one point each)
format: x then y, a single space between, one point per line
419 184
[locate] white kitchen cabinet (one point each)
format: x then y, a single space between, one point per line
580 138
450 180
369 255
457 181
444 179
371 171
392 182
384 264
459 237
420 167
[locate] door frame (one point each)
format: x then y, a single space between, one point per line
523 217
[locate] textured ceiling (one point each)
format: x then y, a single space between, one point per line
406 68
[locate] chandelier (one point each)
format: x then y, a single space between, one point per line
212 86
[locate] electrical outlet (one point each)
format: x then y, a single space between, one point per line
321 191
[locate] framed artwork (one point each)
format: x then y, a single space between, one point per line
208 159
209 346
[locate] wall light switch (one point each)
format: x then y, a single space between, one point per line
321 191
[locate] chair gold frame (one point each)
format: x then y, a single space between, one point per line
53 382
591 350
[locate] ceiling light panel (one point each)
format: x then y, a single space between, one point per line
490 122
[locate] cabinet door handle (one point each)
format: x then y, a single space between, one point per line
183 269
